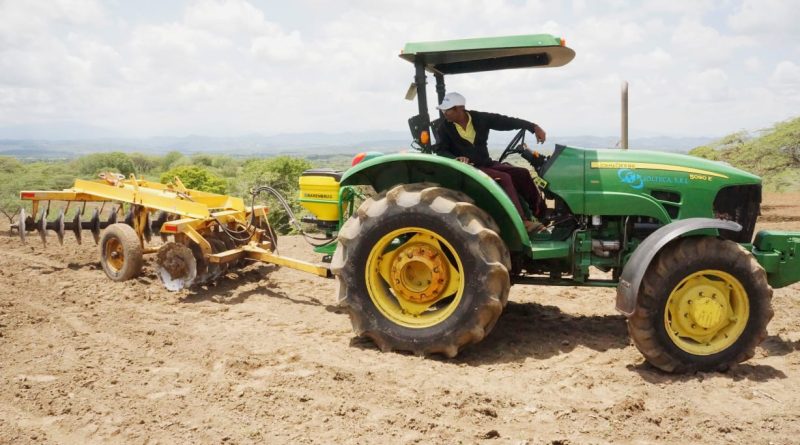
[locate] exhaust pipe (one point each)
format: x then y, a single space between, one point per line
624 137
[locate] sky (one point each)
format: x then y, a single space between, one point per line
88 68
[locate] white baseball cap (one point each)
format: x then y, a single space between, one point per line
452 100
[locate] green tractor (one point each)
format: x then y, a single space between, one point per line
425 264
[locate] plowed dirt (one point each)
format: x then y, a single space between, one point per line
266 356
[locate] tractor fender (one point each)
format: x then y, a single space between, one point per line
631 279
387 171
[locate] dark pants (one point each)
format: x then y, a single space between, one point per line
517 181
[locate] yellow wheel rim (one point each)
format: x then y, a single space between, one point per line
706 312
414 277
115 254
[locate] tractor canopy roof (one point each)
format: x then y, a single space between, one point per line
489 54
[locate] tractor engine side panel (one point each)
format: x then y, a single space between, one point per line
662 186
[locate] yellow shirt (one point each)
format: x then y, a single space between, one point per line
469 132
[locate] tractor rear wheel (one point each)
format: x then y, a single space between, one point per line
121 252
422 269
704 305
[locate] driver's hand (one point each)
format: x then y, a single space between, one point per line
464 159
541 136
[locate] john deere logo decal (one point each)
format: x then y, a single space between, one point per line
637 181
628 166
630 177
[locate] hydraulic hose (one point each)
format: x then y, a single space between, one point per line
292 218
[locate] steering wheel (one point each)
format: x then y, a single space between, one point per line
517 145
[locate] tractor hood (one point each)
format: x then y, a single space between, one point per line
664 186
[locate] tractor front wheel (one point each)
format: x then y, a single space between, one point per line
121 252
421 269
704 305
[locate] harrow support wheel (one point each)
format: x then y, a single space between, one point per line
704 305
121 253
422 269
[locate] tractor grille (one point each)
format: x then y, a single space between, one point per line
740 203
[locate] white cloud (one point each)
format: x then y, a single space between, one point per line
225 17
657 59
786 73
175 39
234 66
607 33
768 17
710 85
785 80
278 46
703 45
694 8
752 63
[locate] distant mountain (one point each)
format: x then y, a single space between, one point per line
301 144
65 130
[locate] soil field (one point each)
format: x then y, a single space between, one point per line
266 356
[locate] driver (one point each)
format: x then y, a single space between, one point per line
463 137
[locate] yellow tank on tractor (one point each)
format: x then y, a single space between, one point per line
202 234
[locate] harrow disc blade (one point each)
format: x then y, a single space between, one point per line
217 270
129 217
112 218
94 226
77 226
161 218
156 224
148 231
58 226
41 226
176 266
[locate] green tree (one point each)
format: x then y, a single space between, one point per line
203 159
226 166
10 186
197 178
707 152
774 154
91 165
142 163
9 165
169 160
35 176
281 173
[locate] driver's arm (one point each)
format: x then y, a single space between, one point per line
504 123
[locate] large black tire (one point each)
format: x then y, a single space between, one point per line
472 237
121 252
700 257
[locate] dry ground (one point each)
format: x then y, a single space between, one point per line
266 357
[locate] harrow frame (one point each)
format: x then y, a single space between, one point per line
195 219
